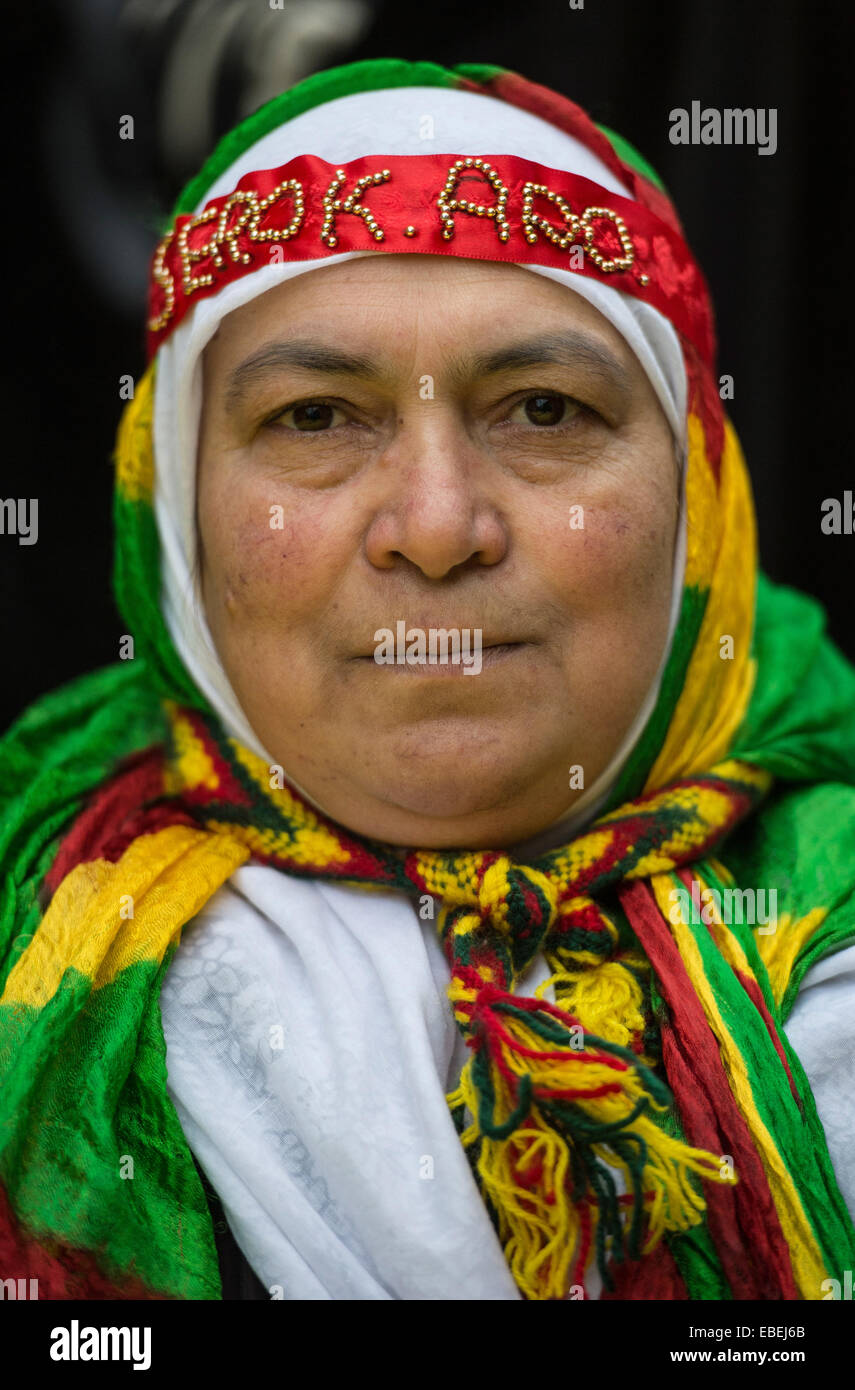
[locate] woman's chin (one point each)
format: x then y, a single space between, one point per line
461 800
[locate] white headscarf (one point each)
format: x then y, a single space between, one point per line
385 122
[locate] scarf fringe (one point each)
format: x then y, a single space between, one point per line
555 1111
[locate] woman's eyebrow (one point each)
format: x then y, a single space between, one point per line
568 349
297 352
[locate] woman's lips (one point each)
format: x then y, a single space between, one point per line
488 656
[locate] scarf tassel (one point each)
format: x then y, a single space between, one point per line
551 1122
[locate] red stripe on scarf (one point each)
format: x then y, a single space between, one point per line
743 1221
116 815
656 1276
61 1271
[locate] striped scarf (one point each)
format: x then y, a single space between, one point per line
652 1119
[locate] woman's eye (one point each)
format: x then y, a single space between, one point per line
546 409
309 417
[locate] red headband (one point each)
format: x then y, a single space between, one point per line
491 207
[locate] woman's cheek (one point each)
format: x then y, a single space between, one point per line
594 553
274 567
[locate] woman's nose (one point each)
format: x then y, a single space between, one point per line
436 506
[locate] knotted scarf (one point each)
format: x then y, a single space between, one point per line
653 1118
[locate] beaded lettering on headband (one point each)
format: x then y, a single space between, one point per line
303 211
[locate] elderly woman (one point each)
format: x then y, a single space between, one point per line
438 886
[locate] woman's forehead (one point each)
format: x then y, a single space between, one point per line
374 297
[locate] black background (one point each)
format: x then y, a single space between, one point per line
772 233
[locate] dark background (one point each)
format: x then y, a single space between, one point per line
83 209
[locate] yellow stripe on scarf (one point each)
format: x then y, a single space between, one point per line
164 879
191 765
722 555
780 949
134 455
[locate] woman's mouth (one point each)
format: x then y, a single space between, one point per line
466 662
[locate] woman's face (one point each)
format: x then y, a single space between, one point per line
451 444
